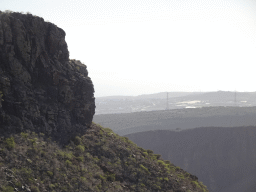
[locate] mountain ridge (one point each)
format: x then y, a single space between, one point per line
48 141
176 100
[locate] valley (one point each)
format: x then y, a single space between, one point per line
178 119
216 143
223 158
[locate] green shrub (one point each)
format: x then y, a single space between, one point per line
10 144
34 189
102 177
111 177
196 183
68 162
202 185
96 159
187 174
166 179
50 173
25 172
80 148
29 160
140 148
33 141
8 189
161 162
142 184
108 130
177 168
150 151
83 179
77 140
80 158
144 168
118 187
157 156
18 184
24 135
61 153
156 187
64 189
69 155
181 176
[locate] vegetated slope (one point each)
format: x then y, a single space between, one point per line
100 160
223 158
128 123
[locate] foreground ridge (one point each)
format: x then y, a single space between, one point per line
100 160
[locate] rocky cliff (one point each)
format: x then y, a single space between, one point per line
41 89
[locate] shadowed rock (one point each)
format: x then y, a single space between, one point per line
41 89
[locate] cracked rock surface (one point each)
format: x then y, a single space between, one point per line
41 89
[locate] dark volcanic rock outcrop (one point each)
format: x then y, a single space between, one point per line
41 89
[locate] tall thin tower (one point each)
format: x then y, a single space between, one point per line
235 98
167 102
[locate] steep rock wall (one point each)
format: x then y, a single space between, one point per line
41 89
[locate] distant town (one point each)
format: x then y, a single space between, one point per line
173 100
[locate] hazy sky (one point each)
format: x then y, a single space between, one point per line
134 47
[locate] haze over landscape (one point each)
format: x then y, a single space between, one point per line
91 90
142 47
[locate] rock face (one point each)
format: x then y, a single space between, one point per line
41 89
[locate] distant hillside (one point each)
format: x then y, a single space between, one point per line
161 95
176 100
223 158
128 123
222 97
